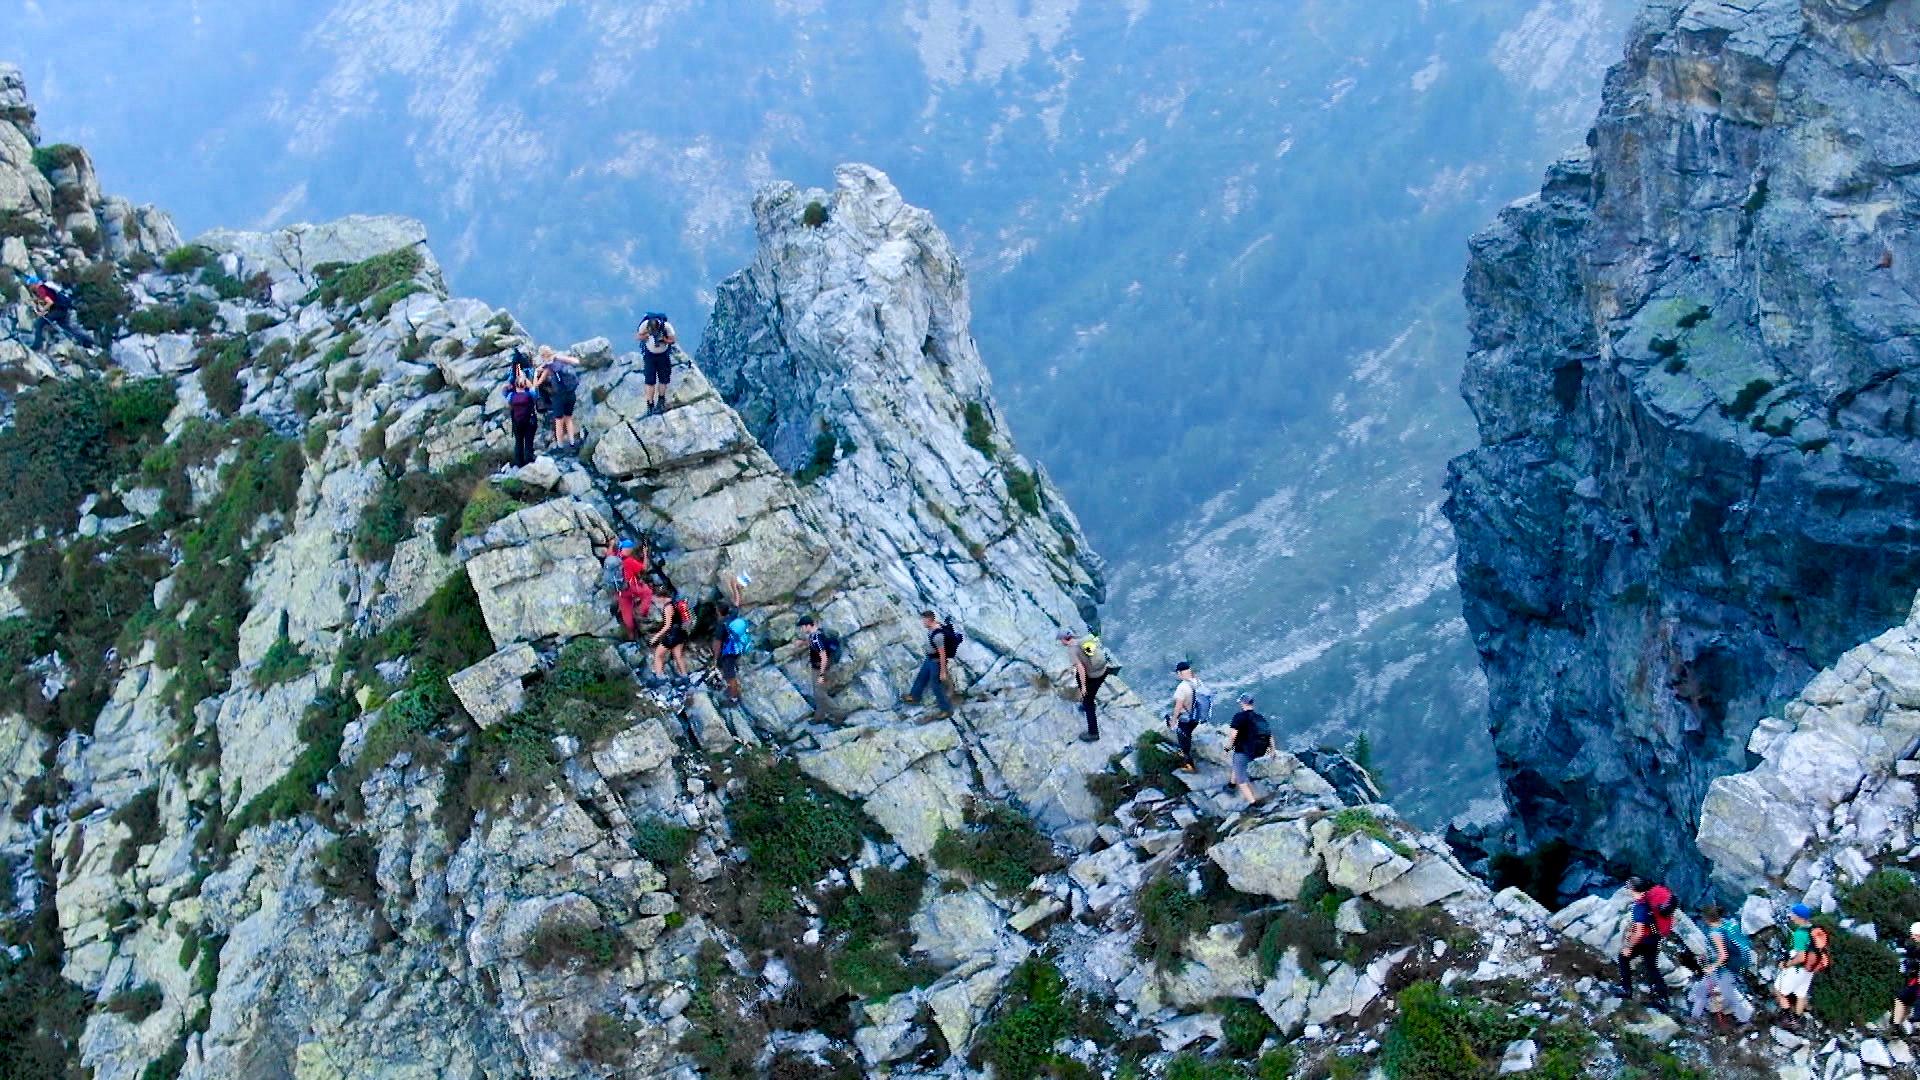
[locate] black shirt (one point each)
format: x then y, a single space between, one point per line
1249 737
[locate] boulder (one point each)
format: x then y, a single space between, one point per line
495 688
1269 860
537 576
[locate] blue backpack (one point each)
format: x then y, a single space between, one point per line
1739 946
739 639
1201 711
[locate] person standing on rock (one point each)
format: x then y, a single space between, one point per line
629 582
1905 998
1807 956
656 337
1718 987
524 415
559 374
1649 920
1192 706
942 642
823 651
1249 737
671 638
1090 668
736 643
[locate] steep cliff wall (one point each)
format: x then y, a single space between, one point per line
1693 373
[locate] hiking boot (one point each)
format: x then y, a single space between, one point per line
909 701
1089 737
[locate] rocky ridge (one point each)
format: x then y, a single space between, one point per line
362 782
1692 373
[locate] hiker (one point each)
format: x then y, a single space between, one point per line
823 651
656 338
559 375
1718 987
942 642
1807 955
736 643
1091 666
1908 995
671 638
1192 706
524 416
624 569
53 306
1650 919
1249 737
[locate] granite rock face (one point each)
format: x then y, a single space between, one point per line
1693 373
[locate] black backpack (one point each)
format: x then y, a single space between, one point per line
953 638
827 642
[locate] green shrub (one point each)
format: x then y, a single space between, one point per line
221 362
384 300
661 843
51 159
794 831
1191 1066
606 1041
1244 1028
1036 1010
168 1065
137 1003
1888 899
1647 1061
21 224
825 445
100 302
1000 846
282 662
345 868
1169 915
870 954
186 259
815 214
725 1037
979 431
1854 991
1156 762
206 973
488 504
141 816
1024 487
1358 819
598 947
69 438
583 696
1277 1064
194 315
340 284
1428 1040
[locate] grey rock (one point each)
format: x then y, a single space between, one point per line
495 688
537 575
1271 860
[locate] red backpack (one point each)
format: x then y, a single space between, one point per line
1662 905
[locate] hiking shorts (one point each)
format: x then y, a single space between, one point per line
561 403
1908 994
659 368
730 665
1793 982
1240 763
674 638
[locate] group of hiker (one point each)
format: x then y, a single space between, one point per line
549 383
1716 988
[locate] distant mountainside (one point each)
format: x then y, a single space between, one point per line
1214 248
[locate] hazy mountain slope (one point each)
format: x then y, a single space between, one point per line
1279 189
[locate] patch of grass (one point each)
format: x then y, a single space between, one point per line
1748 397
169 1065
869 956
345 869
344 284
1169 915
1308 926
829 445
69 438
448 495
1853 991
1191 1066
1358 819
584 696
1647 1061
137 1003
726 1034
488 503
221 362
793 829
141 816
661 843
979 430
100 302
194 315
1438 1036
51 159
607 1041
597 947
282 662
1888 898
1156 761
1024 487
383 301
186 259
1244 1028
1000 846
1036 1010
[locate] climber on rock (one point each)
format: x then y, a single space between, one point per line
1249 737
671 639
624 569
823 652
1718 987
1808 954
656 337
559 376
735 645
942 642
1090 668
1908 995
1650 920
524 416
53 307
1192 706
